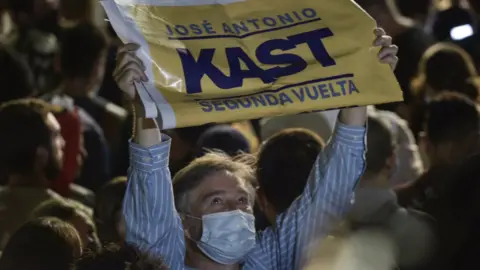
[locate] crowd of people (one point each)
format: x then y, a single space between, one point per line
85 183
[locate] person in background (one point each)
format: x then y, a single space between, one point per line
451 136
42 244
184 141
444 66
28 162
77 216
408 161
283 164
35 37
109 89
411 40
17 80
376 203
108 211
18 83
457 210
82 73
449 191
222 138
115 257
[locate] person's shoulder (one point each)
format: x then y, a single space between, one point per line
89 123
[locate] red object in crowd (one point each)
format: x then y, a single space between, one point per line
71 131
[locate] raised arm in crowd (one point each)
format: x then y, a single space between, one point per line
202 219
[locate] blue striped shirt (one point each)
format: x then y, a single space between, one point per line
154 226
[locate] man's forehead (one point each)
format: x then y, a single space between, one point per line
221 182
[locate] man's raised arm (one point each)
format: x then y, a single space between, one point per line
329 190
152 223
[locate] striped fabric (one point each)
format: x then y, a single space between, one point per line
154 226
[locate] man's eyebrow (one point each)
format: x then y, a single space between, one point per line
212 193
222 192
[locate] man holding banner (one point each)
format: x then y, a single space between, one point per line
207 221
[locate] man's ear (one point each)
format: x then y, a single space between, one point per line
261 200
41 158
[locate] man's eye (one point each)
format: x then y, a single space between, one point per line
216 201
243 200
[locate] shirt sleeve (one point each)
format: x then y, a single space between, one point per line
325 200
152 223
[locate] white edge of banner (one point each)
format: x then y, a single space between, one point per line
150 96
177 3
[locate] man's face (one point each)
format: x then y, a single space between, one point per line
55 162
86 231
219 192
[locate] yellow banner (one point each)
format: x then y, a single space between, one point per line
227 60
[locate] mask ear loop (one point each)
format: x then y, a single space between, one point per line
186 233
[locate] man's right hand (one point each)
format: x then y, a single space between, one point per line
129 69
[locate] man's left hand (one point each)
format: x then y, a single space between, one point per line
388 55
388 51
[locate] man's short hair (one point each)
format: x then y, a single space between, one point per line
114 257
284 163
190 135
451 117
55 208
23 129
193 174
380 143
81 47
16 78
224 138
42 244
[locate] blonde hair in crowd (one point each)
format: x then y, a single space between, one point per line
421 79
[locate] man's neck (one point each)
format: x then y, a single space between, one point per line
75 87
27 181
197 260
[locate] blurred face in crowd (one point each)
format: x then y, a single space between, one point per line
54 159
86 230
218 192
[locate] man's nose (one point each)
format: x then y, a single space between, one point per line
233 205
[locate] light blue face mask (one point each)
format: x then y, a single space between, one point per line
227 236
